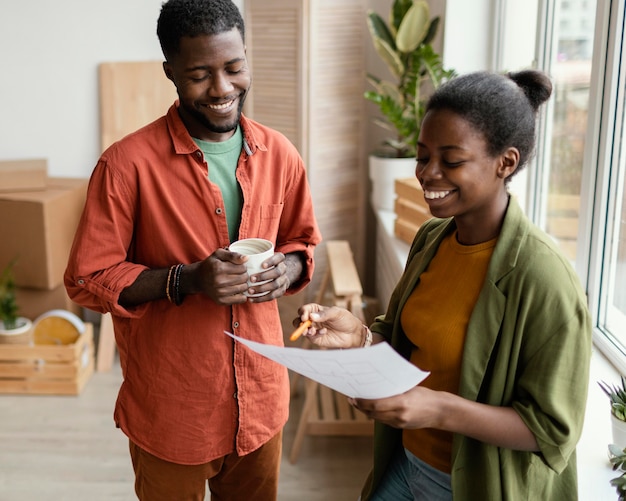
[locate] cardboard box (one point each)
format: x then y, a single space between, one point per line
47 369
21 175
34 302
37 229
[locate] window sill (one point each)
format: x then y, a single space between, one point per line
594 468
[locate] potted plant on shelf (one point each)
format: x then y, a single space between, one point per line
405 45
13 328
617 396
617 456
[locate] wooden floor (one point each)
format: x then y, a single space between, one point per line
55 448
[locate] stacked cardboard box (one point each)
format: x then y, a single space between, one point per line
37 227
410 208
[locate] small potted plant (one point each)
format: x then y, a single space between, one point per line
404 43
617 456
13 328
617 396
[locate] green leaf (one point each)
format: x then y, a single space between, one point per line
398 11
413 28
379 29
432 31
389 56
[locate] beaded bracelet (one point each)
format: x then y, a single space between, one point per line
172 287
367 338
167 285
177 299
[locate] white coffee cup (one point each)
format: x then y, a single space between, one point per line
258 250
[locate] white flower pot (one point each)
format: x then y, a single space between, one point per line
20 335
619 431
383 173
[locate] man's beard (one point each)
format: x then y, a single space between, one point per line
212 126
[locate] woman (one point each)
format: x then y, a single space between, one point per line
489 306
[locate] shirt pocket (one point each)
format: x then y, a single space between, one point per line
269 221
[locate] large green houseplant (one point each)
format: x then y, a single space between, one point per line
404 43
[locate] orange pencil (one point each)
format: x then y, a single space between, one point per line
301 328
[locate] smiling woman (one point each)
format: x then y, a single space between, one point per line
514 324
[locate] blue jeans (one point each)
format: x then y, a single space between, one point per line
411 479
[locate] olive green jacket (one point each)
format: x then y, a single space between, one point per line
528 346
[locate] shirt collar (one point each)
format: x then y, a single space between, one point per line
184 143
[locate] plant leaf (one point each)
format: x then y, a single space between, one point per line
413 28
398 11
432 31
390 56
379 29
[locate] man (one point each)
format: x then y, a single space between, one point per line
163 205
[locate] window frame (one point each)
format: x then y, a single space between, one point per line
599 179
602 141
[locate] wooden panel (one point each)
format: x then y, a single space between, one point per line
275 44
308 66
132 94
336 121
344 276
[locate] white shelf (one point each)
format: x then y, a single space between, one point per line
391 255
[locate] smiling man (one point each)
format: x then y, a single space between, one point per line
164 204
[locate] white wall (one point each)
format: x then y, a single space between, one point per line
49 56
50 51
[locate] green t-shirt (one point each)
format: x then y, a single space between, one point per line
222 160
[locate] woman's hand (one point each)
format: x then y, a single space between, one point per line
332 327
422 407
417 408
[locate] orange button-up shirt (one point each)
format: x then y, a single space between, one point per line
190 394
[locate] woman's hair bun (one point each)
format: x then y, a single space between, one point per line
535 84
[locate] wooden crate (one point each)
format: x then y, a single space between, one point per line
405 230
47 369
411 212
411 190
410 208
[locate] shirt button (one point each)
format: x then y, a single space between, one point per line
81 282
218 211
236 324
235 395
199 154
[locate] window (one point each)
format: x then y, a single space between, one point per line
567 57
607 281
576 189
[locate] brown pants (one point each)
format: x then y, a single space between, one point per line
230 478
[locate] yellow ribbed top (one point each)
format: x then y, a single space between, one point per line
435 319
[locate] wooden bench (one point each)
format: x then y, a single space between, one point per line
326 412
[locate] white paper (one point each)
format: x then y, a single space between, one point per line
374 372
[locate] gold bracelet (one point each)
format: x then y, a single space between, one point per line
167 285
367 338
